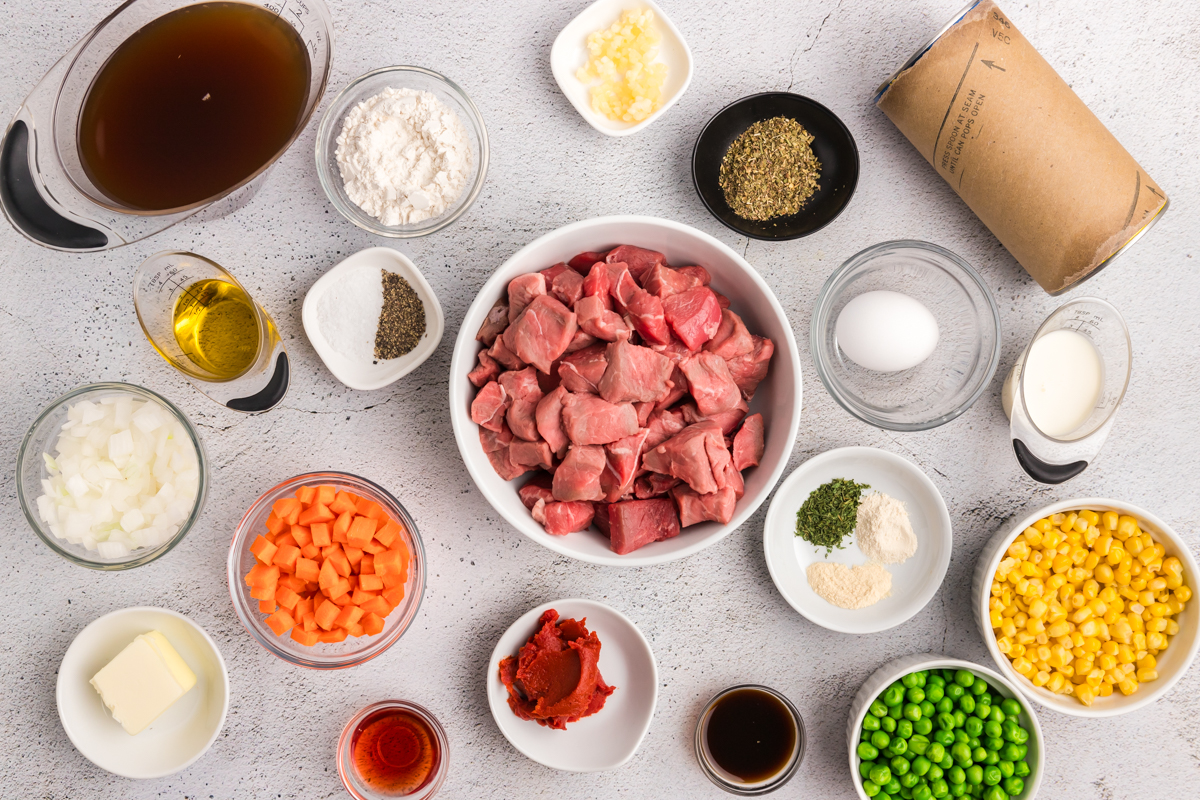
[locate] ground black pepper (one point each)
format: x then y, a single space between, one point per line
402 320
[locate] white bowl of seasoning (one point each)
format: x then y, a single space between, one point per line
341 317
914 581
570 52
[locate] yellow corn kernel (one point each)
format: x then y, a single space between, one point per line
1109 520
1090 628
1172 628
1007 628
1147 556
1108 594
1055 684
1084 613
1139 640
1017 650
1058 629
1105 690
1134 545
1183 594
1116 554
1173 581
1106 661
1010 610
1018 549
1086 694
1061 564
1020 618
1122 577
1157 625
1135 622
1043 653
1125 654
1127 525
1081 524
1102 544
1122 631
1068 521
995 618
1098 607
1025 637
1040 677
1137 583
1051 538
1172 566
1004 645
1035 626
1042 666
1159 609
1144 675
1022 666
1057 519
1038 609
1147 662
1127 687
1090 517
1076 639
1111 616
1156 641
1055 582
1082 666
1091 561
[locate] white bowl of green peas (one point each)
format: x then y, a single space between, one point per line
928 727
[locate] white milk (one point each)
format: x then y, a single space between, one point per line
1063 379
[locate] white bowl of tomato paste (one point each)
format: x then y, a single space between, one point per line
776 398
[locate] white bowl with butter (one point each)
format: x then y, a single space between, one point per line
172 740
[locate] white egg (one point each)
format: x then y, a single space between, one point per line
886 331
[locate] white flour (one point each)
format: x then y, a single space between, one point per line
348 314
883 531
404 155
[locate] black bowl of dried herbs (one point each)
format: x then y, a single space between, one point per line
775 166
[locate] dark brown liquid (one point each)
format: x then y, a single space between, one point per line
193 104
395 752
751 735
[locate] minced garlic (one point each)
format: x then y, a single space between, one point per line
622 60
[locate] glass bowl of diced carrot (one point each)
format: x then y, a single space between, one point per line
326 570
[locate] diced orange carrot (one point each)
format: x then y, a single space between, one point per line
263 550
394 595
332 637
270 537
307 569
387 563
285 538
370 583
309 622
305 494
344 502
353 555
326 613
327 575
310 551
377 606
306 638
341 564
316 513
325 495
283 506
255 575
388 532
350 615
359 597
274 523
355 630
367 565
342 599
341 525
301 535
391 580
292 582
372 624
281 622
360 532
267 577
321 536
340 587
369 509
374 546
286 557
303 606
294 516
286 598
266 606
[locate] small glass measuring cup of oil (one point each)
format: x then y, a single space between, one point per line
205 324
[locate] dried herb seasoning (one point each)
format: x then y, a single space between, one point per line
770 170
829 514
401 321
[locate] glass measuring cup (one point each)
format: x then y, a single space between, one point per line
1056 459
245 366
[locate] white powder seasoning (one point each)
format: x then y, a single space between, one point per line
348 314
405 156
849 587
883 531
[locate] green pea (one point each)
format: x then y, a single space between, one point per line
1010 730
904 729
905 794
993 729
1021 770
986 698
912 711
995 793
870 788
935 772
993 744
978 754
887 724
894 788
918 744
975 774
927 708
956 775
864 768
960 718
894 695
922 792
1011 707
1021 736
878 709
871 722
899 765
954 691
880 774
864 735
936 680
1014 785
924 725
934 693
909 680
964 678
909 779
967 704
883 795
880 740
940 788
958 790
974 742
982 710
1023 750
960 752
1006 768
922 678
947 762
915 695
896 711
936 752
992 775
898 747
944 738
921 765
973 726
961 736
979 687
867 751
944 706
945 721
998 714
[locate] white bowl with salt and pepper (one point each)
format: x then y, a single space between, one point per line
341 317
914 581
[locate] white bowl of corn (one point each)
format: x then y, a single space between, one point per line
1087 606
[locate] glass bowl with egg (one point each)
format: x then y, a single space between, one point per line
424 218
111 476
905 335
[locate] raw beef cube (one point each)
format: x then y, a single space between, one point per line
679 389
583 262
548 417
541 334
496 446
486 370
722 301
552 272
637 523
581 371
522 387
663 282
567 287
638 259
728 420
699 273
663 424
601 518
686 456
521 291
648 317
623 286
505 357
494 323
580 340
749 370
602 281
748 443
490 405
598 320
720 461
578 476
674 349
536 488
634 374
560 518
588 419
732 338
624 456
653 485
693 507
712 386
644 410
530 454
694 315
733 480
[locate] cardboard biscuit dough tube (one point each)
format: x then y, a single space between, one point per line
1021 149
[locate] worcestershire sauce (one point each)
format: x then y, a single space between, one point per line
192 104
395 752
751 735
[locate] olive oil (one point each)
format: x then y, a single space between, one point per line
216 326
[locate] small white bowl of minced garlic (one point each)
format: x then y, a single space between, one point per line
590 60
858 539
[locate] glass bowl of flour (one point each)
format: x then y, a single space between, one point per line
402 152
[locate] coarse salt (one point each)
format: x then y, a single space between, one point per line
348 314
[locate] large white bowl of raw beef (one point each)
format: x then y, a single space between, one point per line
625 390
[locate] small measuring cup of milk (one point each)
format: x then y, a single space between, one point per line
1063 393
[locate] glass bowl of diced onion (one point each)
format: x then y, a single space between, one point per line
111 476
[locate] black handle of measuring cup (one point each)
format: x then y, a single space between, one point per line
270 395
26 207
1042 472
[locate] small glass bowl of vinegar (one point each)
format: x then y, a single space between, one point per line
393 748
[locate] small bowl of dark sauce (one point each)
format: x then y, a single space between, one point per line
832 145
750 740
393 749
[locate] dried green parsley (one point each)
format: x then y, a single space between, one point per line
770 171
829 514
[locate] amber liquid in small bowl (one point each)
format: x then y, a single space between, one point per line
395 752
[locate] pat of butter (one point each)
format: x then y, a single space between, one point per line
143 681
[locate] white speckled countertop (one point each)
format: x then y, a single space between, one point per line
714 619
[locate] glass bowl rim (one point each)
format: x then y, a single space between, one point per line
767 786
326 168
243 611
825 300
151 554
343 745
